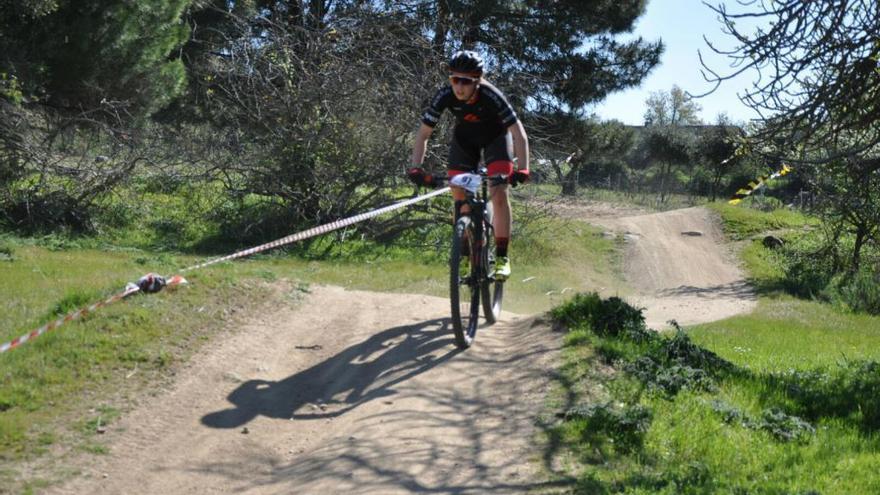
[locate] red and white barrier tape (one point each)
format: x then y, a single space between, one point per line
177 279
321 229
129 290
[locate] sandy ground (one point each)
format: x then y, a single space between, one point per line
351 392
357 392
677 262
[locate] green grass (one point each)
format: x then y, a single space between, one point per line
787 333
740 222
785 414
549 267
76 367
795 410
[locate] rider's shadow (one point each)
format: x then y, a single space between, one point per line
361 373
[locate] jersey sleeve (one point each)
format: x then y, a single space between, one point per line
505 112
438 103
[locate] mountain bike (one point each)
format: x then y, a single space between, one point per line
472 259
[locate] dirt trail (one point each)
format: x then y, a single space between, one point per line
678 264
364 393
351 392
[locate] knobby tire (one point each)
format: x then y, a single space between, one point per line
491 291
464 295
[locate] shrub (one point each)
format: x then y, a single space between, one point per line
669 378
862 292
625 426
605 317
7 253
851 391
808 265
781 426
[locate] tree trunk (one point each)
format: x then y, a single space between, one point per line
664 171
861 235
441 28
569 183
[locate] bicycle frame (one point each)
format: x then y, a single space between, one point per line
478 203
473 228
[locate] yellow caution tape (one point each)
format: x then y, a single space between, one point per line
757 184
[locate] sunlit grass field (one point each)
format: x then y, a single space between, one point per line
795 410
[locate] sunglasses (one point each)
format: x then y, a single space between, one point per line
465 81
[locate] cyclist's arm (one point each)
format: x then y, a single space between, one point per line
422 135
520 145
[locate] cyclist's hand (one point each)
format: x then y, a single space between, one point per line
419 177
519 177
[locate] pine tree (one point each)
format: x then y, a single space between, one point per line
76 54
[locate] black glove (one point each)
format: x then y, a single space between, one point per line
419 177
519 177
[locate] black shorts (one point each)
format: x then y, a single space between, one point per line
464 155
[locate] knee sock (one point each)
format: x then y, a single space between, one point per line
501 246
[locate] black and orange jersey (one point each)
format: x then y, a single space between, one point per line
482 118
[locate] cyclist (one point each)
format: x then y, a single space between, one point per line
485 124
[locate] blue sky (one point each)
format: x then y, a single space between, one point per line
681 25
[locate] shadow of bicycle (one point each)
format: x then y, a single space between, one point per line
362 373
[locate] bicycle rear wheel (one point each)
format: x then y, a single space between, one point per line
491 290
464 293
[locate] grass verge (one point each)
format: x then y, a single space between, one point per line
59 391
665 414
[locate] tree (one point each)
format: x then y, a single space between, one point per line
674 108
818 63
575 146
558 54
668 150
847 192
717 149
667 144
305 119
819 97
77 54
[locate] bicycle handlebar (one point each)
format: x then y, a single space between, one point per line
494 180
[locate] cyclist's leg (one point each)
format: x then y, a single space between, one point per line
463 158
499 160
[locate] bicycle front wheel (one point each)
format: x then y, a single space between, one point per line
464 286
491 290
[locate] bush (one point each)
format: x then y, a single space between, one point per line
783 427
862 292
669 378
7 253
764 203
625 427
808 266
851 391
608 317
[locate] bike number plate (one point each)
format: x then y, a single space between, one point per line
471 182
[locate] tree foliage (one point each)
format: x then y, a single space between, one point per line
673 108
77 54
819 94
556 52
303 109
717 153
818 63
